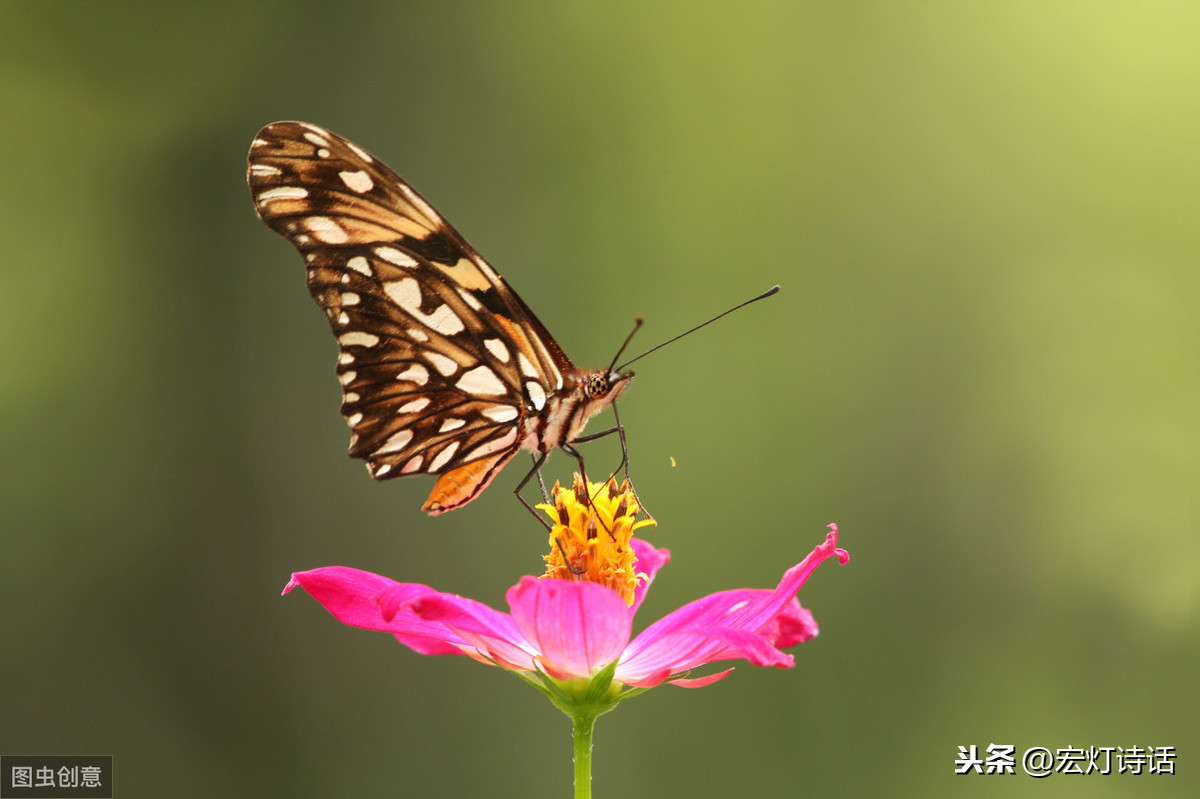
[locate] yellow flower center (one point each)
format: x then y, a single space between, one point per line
593 525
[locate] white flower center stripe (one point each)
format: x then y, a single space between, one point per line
482 381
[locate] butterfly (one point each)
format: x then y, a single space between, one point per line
444 369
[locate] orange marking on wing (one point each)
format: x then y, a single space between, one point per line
458 487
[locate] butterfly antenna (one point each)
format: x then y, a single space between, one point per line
637 323
763 296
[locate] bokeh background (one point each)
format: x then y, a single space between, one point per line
983 365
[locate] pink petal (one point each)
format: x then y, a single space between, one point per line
577 627
490 634
700 682
649 561
743 623
363 599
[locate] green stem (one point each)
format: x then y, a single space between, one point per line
583 724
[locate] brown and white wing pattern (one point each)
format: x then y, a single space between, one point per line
441 363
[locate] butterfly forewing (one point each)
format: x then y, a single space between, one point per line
440 362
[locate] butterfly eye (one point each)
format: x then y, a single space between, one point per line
597 386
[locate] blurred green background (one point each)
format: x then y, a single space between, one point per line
983 365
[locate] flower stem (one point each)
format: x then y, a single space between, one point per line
583 724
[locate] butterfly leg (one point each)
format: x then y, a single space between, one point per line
619 429
578 456
537 469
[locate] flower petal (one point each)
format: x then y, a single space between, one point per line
743 623
577 627
700 682
649 561
363 599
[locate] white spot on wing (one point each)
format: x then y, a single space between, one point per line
413 464
444 456
360 264
446 366
354 419
537 394
282 193
406 293
345 358
496 347
343 318
481 380
358 338
317 139
418 404
360 152
349 297
394 256
495 445
346 378
265 169
443 320
416 373
526 367
381 469
417 334
351 397
395 442
358 181
326 230
451 423
501 413
469 299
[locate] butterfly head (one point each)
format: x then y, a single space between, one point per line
596 391
606 387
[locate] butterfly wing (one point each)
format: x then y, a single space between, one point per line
440 361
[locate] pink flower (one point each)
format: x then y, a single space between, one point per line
573 629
